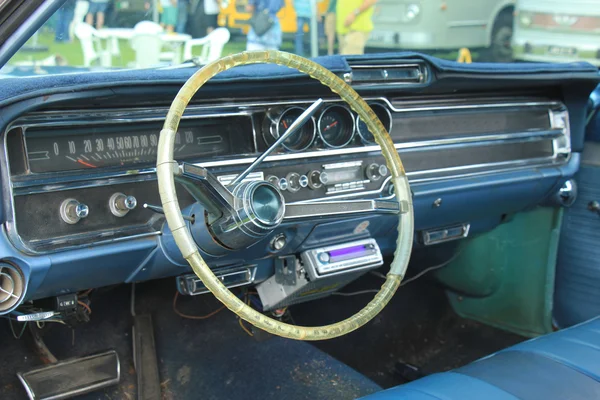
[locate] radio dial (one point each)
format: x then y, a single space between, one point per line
316 179
374 171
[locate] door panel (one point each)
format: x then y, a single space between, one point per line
577 294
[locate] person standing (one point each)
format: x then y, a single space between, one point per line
271 39
97 9
211 12
182 15
353 24
168 18
304 13
329 23
65 15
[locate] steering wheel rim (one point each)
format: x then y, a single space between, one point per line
166 167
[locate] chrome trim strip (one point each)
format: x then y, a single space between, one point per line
43 183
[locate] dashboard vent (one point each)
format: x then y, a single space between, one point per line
12 287
387 74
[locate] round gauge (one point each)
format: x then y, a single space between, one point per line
336 126
302 139
384 116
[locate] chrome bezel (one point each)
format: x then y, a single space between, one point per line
387 128
323 113
275 134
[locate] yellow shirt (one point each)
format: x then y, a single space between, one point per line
362 23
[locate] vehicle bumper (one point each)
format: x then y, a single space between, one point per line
543 46
402 40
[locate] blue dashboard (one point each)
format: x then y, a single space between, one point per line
480 142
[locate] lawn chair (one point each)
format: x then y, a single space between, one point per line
147 49
149 27
81 9
212 46
91 45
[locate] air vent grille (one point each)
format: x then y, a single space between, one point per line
388 74
12 287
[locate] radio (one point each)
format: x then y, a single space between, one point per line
318 273
333 260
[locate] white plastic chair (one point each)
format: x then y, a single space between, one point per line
148 27
212 45
81 9
152 28
147 49
91 46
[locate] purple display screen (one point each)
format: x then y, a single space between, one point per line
345 252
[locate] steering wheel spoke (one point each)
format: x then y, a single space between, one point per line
300 211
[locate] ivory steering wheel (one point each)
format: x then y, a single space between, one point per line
167 168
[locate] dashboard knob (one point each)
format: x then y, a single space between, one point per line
324 178
293 179
282 184
82 210
314 179
303 181
121 204
374 171
72 211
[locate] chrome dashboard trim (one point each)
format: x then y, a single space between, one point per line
43 182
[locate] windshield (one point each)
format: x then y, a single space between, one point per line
110 34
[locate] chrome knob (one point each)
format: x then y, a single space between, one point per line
324 178
120 204
383 170
82 210
279 242
314 179
282 184
374 172
72 211
303 180
293 179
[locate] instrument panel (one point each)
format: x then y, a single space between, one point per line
91 172
67 149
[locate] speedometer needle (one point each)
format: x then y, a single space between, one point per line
85 163
328 127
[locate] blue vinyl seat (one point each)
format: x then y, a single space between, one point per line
561 365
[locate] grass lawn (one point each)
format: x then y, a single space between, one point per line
73 55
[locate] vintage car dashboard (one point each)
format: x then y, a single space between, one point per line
81 202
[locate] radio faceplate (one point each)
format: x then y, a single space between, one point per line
338 259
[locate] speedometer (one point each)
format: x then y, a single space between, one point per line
336 126
63 149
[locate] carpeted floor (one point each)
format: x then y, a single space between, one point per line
216 359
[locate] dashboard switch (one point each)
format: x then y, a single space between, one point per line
374 172
72 211
121 204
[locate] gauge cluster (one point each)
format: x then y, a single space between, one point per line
334 126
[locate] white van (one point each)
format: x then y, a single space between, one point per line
557 30
445 25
